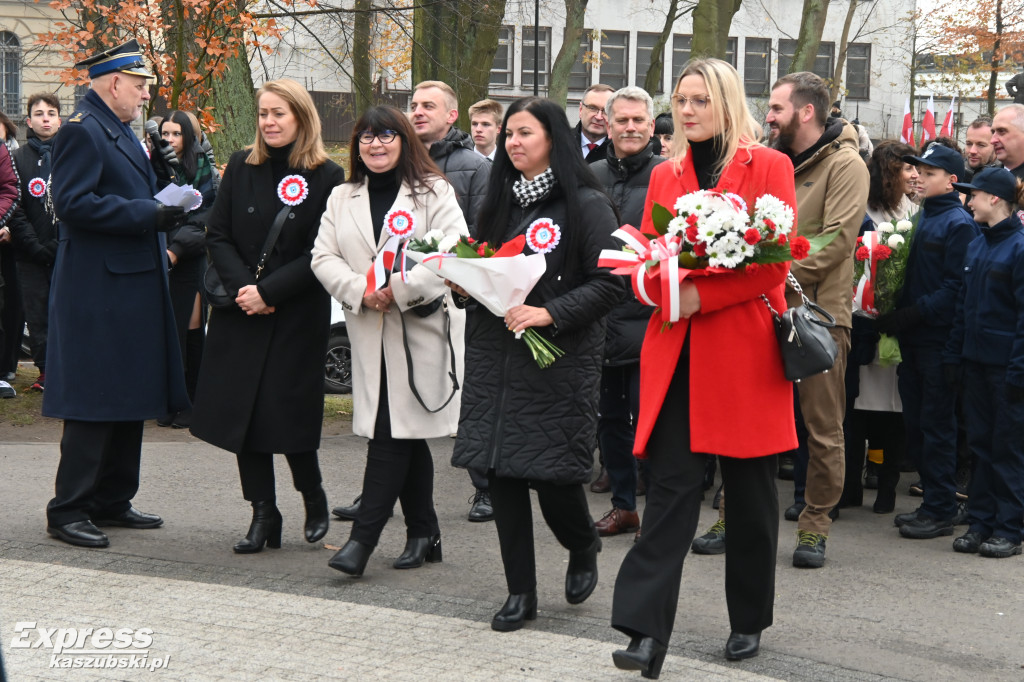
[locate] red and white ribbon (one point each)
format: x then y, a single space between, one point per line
37 187
292 190
543 235
864 293
400 225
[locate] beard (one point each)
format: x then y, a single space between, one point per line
784 135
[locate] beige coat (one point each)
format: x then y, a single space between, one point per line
343 253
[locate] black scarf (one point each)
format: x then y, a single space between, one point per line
42 148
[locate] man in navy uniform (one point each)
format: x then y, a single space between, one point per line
112 358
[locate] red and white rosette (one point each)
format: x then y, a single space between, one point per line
543 235
37 187
400 224
292 190
198 201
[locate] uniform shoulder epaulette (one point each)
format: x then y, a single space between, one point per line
78 117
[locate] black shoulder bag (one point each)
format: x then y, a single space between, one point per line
805 343
451 353
216 293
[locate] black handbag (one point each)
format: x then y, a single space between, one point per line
216 293
806 346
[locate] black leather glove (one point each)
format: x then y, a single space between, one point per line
169 217
169 155
1014 394
954 376
898 320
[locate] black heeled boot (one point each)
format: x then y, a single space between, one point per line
351 558
264 529
645 654
316 514
581 577
740 646
418 550
518 608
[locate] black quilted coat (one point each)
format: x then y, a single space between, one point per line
518 419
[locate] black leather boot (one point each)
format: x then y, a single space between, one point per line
645 654
581 577
518 608
351 558
316 513
264 529
418 550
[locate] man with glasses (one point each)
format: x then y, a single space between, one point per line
593 125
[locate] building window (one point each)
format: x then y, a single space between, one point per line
615 59
10 73
730 51
580 76
757 61
858 71
528 56
824 62
645 43
501 70
681 53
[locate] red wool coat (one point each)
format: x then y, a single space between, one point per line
741 404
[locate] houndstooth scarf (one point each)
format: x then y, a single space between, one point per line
531 191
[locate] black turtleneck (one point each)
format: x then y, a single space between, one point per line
279 160
383 188
707 161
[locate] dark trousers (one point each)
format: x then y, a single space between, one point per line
396 469
882 430
995 431
12 317
647 587
256 471
34 280
565 510
620 403
929 413
98 474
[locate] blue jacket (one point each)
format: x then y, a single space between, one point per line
112 352
935 268
989 326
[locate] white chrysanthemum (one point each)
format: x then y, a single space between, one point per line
677 226
727 252
447 243
886 228
433 236
769 207
895 241
904 226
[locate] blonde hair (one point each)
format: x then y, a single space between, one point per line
450 100
732 118
195 124
308 152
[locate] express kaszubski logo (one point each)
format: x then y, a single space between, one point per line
126 648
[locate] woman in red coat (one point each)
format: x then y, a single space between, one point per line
712 384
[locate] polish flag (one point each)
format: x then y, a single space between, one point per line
928 122
907 134
947 124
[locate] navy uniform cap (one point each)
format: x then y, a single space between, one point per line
996 181
126 58
942 157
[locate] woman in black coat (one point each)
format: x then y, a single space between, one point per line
522 426
261 383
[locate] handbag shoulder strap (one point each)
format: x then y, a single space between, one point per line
451 352
272 235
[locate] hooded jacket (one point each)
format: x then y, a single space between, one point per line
465 169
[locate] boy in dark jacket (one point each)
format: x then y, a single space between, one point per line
922 323
986 352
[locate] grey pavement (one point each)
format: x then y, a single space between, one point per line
883 608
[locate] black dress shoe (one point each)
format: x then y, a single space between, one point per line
900 519
317 520
518 608
132 518
481 509
740 646
183 419
926 528
265 529
969 542
165 420
418 550
351 558
81 533
350 512
645 654
793 511
581 577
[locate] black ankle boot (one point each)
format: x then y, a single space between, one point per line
581 577
265 528
351 558
518 608
645 654
418 550
316 514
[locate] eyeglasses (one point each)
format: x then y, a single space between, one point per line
592 109
695 102
385 136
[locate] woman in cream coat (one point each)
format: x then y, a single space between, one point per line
406 323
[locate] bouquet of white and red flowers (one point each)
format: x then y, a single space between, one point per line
498 279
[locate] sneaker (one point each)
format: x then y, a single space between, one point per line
999 548
916 489
6 390
810 550
40 382
10 376
712 542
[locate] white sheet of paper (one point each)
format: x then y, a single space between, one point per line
176 195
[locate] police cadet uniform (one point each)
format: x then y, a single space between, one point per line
112 358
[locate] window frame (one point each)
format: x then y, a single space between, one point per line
527 52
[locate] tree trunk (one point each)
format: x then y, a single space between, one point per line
480 24
427 32
654 74
362 86
235 105
837 77
711 22
812 24
558 84
994 75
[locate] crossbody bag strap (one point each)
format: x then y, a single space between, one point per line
791 280
268 245
451 352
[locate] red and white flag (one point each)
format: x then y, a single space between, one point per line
928 122
947 124
907 134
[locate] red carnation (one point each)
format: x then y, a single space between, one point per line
800 247
700 249
860 240
482 249
691 233
882 252
862 253
752 236
782 238
770 224
470 240
691 220
752 268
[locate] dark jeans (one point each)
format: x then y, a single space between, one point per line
256 470
35 298
995 430
929 413
620 403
